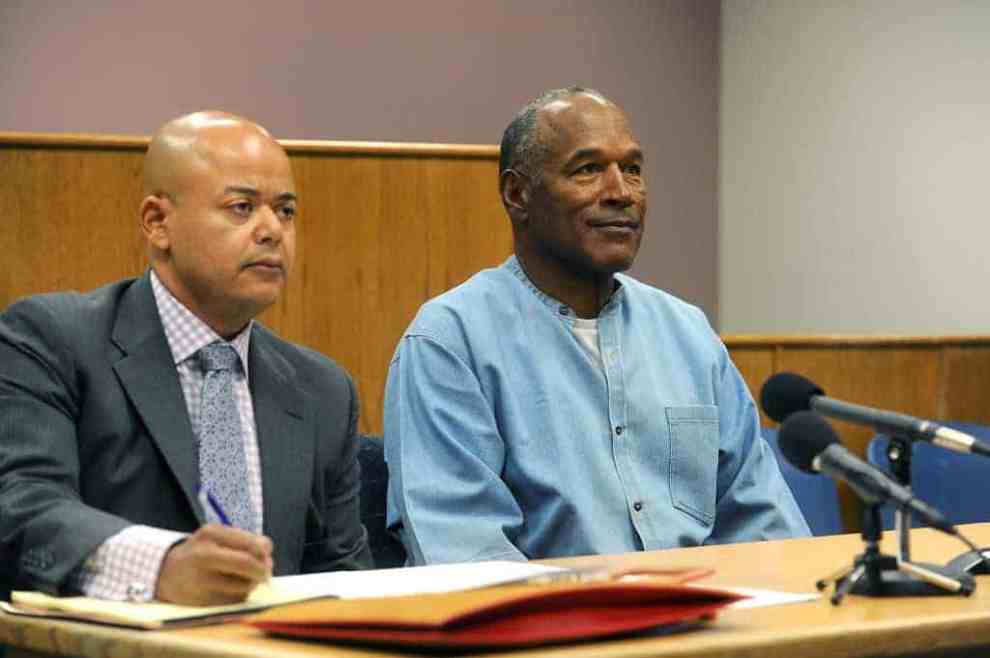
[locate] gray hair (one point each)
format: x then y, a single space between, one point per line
522 148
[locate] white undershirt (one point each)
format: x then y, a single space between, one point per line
586 331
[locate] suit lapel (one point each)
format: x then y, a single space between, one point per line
147 373
285 442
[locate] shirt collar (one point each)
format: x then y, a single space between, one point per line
186 333
560 308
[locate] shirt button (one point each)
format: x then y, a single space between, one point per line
618 430
638 506
563 310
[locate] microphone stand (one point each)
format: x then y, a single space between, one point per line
899 453
874 574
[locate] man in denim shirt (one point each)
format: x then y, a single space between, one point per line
552 406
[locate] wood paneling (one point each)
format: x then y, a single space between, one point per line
756 363
929 377
964 383
380 236
70 218
382 228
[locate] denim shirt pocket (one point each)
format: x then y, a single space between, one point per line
694 443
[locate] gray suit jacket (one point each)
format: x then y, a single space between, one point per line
95 436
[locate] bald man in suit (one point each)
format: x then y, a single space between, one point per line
101 395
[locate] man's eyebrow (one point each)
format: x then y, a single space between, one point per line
250 191
581 154
241 189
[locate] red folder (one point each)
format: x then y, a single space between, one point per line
503 616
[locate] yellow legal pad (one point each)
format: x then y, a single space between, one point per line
151 615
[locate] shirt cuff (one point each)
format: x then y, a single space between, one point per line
125 567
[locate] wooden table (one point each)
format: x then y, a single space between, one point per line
859 627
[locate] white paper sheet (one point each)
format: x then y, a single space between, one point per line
767 597
410 580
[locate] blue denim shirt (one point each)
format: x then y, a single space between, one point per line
505 440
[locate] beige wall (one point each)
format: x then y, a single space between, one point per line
855 141
432 70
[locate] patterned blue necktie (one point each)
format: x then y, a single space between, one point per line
222 465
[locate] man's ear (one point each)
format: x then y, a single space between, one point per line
514 189
154 212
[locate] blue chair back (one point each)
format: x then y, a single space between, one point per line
956 484
815 494
387 551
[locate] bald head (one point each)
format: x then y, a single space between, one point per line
524 142
219 216
184 146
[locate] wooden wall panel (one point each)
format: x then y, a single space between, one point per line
756 363
937 378
871 376
384 227
70 218
378 237
964 382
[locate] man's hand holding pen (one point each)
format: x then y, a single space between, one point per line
215 565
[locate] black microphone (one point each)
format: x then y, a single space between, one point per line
785 393
809 442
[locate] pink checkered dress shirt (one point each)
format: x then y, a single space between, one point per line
126 565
